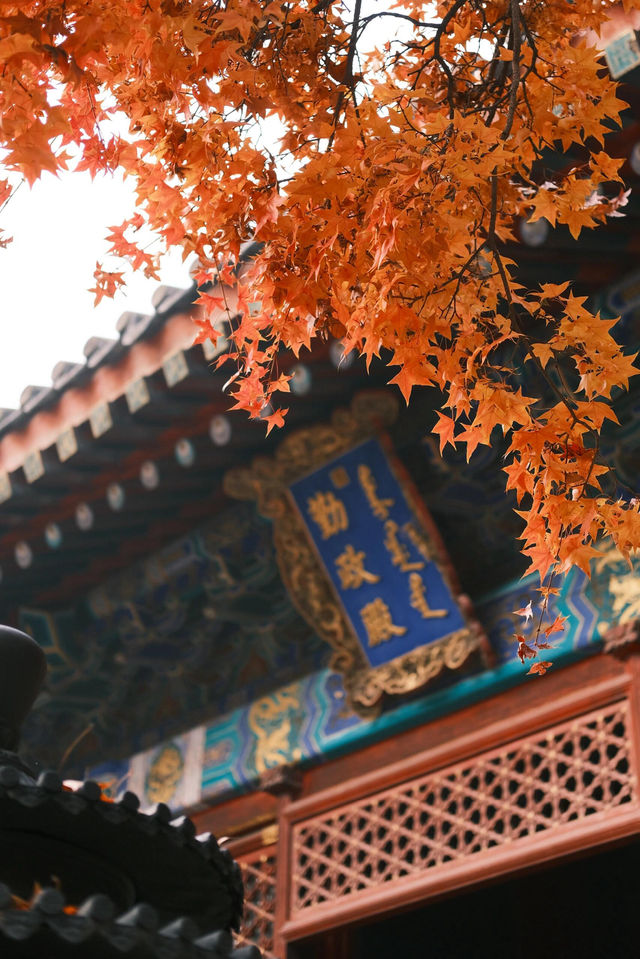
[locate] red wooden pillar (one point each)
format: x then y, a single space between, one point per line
284 782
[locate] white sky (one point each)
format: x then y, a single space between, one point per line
46 311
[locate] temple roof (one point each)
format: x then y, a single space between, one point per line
47 929
147 413
173 872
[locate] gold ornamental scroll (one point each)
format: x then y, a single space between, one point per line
269 480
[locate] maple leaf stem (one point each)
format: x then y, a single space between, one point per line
437 56
515 68
423 24
492 243
491 237
592 464
543 608
11 195
513 314
532 43
562 378
353 42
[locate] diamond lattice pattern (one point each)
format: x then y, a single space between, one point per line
537 784
259 875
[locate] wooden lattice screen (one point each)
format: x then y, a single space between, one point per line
476 813
259 875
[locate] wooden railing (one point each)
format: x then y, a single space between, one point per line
536 774
259 875
520 791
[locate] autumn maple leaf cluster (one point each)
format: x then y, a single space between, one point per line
382 188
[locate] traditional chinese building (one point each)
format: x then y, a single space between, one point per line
307 639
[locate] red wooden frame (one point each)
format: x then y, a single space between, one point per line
597 721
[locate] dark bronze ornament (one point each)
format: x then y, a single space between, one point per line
83 876
22 671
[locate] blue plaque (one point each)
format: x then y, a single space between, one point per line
376 554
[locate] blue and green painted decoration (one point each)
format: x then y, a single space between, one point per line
307 719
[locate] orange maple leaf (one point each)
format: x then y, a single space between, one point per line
445 429
539 668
